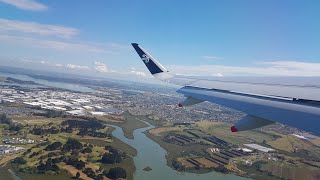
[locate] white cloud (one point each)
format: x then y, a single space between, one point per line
30 5
50 44
138 73
217 74
7 25
101 67
210 57
75 66
270 68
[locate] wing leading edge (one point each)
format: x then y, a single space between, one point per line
265 101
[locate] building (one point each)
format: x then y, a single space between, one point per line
259 148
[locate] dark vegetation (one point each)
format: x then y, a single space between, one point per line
50 165
5 120
72 144
19 160
111 158
178 166
90 173
114 156
54 114
221 169
49 113
53 146
116 173
92 133
86 150
41 131
85 127
93 124
73 161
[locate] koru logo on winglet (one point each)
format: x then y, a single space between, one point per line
145 58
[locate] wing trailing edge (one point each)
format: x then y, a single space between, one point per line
250 122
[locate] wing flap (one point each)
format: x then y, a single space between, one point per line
250 122
190 101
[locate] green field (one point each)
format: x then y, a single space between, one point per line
92 159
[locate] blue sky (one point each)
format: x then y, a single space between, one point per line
215 38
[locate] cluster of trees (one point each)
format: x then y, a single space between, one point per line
221 169
15 127
86 150
19 160
54 114
50 165
73 161
49 113
93 133
35 154
258 165
52 154
67 129
4 119
116 173
93 124
72 144
53 146
114 156
90 173
41 131
178 166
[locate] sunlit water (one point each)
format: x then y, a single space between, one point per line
153 155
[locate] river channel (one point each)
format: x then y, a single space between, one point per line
153 155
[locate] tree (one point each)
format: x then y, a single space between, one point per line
17 127
51 154
89 172
77 175
221 169
111 158
19 160
48 166
72 144
177 165
53 146
5 120
111 149
86 150
116 173
53 114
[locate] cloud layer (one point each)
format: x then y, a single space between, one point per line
268 68
50 44
101 67
7 25
29 5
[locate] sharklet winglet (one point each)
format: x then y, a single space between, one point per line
152 64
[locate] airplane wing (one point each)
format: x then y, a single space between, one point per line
294 101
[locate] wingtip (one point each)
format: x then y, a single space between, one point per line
134 44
